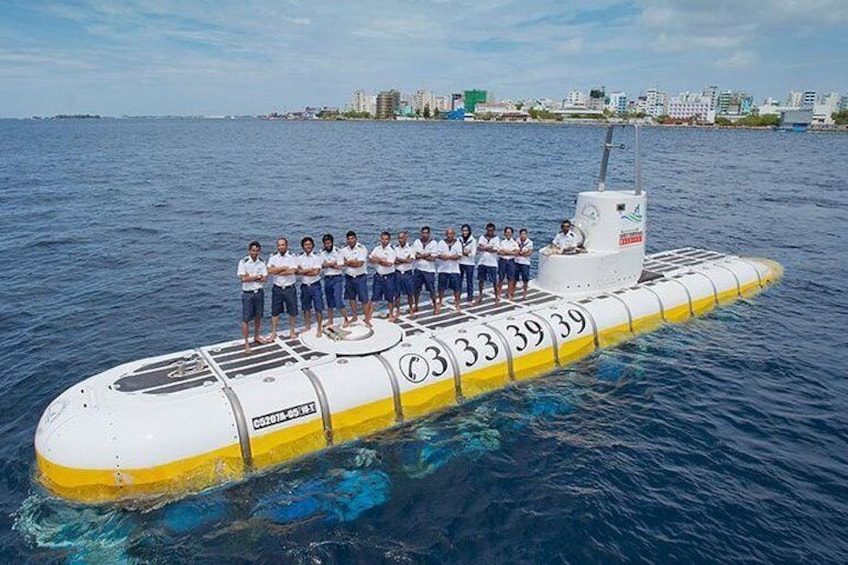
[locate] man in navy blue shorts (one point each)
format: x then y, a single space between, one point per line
405 257
252 272
311 296
283 265
425 267
333 279
487 266
383 259
449 254
354 256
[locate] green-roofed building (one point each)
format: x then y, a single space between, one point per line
472 98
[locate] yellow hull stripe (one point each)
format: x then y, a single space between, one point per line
225 464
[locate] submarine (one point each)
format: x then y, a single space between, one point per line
179 423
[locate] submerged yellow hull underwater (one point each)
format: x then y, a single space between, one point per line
183 422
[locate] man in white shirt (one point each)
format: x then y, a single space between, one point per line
466 262
507 250
310 285
425 267
404 281
449 253
383 258
252 272
487 265
522 260
283 265
333 278
354 256
566 240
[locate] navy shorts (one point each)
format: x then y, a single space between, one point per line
356 288
424 279
449 281
506 269
311 297
383 288
334 291
252 305
404 283
485 273
522 272
283 300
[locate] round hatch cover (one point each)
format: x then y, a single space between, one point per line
356 339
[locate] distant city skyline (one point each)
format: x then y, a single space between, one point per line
169 57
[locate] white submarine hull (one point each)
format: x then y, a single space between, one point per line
189 420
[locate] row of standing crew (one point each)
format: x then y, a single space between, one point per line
399 269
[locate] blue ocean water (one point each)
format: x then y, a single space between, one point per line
722 440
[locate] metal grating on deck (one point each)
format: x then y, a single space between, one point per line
679 259
180 373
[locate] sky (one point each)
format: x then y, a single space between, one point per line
171 57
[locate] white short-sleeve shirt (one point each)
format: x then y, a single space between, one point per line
524 246
565 240
419 248
405 252
508 245
445 248
386 253
331 256
309 262
488 258
290 261
469 250
252 268
359 253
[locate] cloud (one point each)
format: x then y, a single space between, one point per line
738 60
572 46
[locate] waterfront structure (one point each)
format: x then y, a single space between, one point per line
711 93
362 102
825 107
474 97
388 104
574 98
688 105
653 102
617 103
734 103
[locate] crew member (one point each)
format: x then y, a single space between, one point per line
311 296
354 256
425 266
449 253
404 282
283 265
466 262
383 258
333 279
507 250
566 240
487 265
252 272
522 260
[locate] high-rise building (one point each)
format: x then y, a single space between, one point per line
574 98
824 109
388 104
795 99
360 101
456 101
472 98
711 93
732 103
653 102
809 99
688 105
617 103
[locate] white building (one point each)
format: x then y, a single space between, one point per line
824 108
617 103
363 102
653 102
423 99
795 99
574 99
687 105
